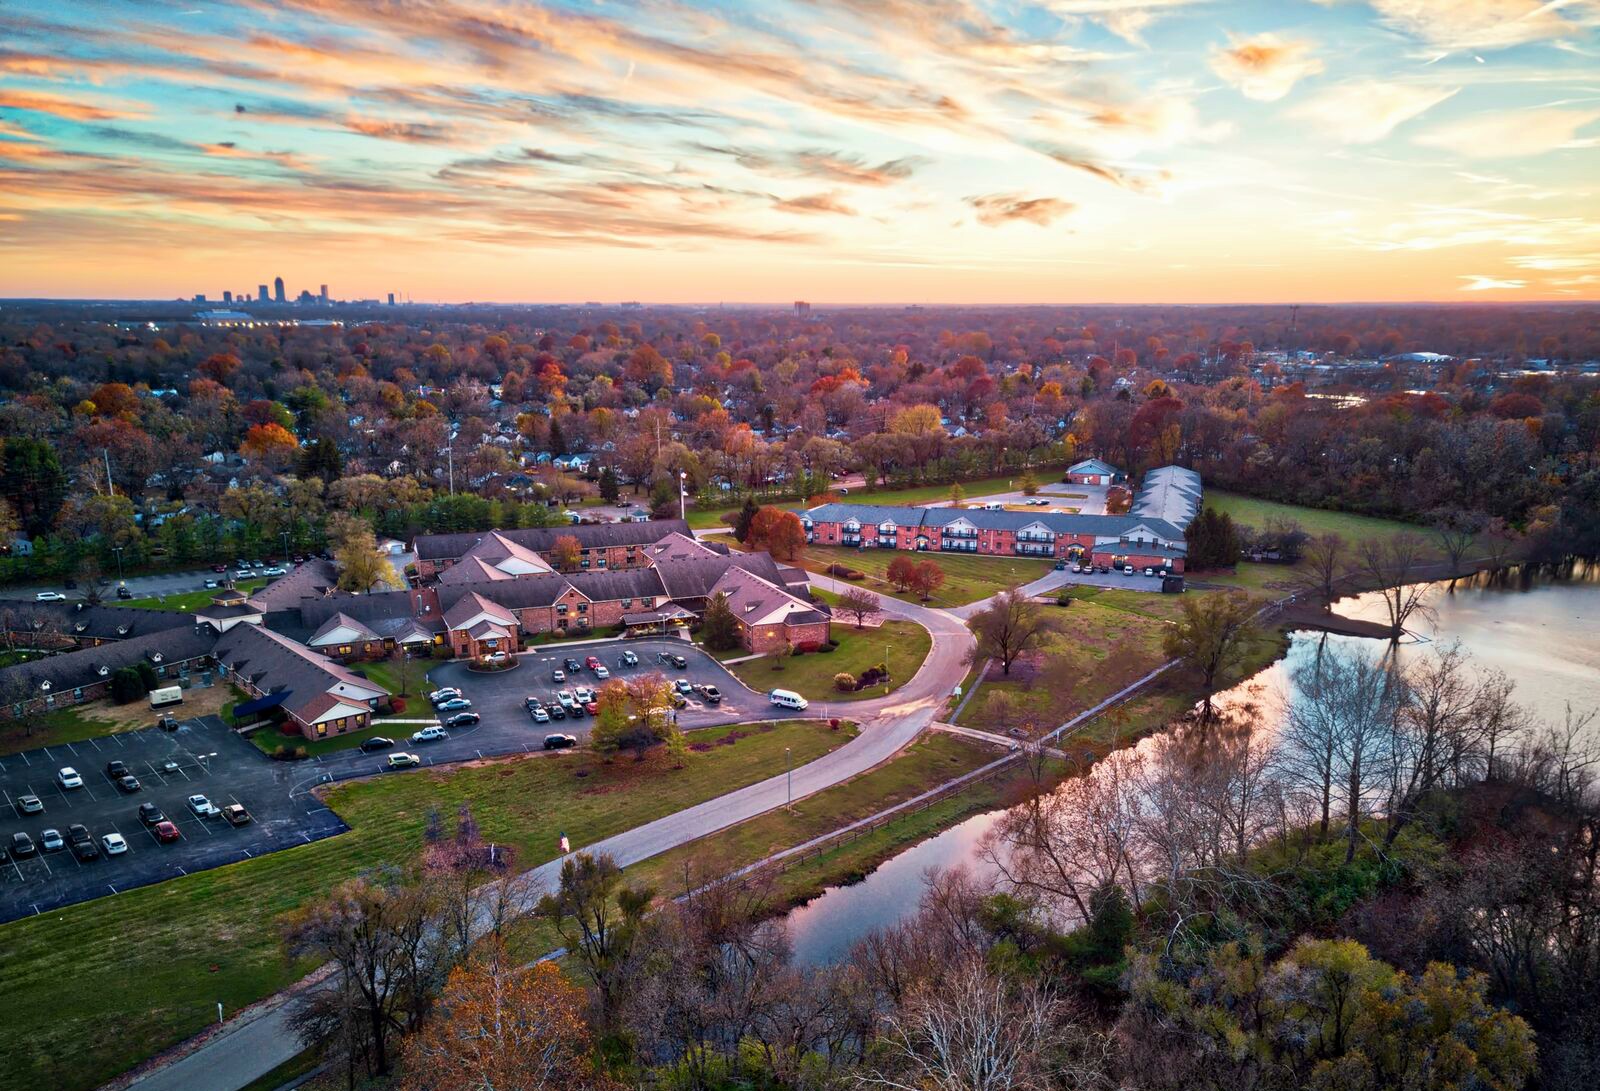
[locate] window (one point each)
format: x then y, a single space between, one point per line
561 608
647 603
344 649
626 603
561 623
322 729
77 694
600 562
583 607
584 563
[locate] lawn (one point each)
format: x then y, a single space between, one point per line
1097 650
268 739
185 601
94 719
96 987
1351 527
967 577
930 761
811 676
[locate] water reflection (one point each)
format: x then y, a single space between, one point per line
1539 630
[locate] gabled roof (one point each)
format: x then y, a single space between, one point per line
756 601
473 570
325 635
314 579
678 547
1169 493
84 622
271 663
438 547
1094 466
471 606
500 552
931 519
86 666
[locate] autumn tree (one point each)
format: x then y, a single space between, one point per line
1011 627
1211 638
1029 483
566 552
860 602
362 565
777 531
901 571
504 1026
718 627
926 578
269 443
598 918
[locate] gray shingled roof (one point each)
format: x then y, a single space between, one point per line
86 666
82 621
1105 526
438 547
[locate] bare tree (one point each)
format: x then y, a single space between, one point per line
1012 626
1456 531
599 919
1211 638
859 602
1322 568
975 1031
1394 567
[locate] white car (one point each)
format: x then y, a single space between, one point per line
69 778
202 807
114 844
49 596
444 694
430 734
584 694
601 673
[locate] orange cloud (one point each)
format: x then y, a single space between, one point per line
1265 67
998 208
43 102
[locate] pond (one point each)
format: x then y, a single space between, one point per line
1540 630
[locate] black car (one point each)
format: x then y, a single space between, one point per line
128 784
150 814
672 658
116 770
83 845
556 711
124 593
22 845
572 665
376 743
559 742
462 719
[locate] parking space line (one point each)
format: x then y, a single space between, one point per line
73 749
94 744
24 757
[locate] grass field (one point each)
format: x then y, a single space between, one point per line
967 577
811 676
94 988
186 601
931 760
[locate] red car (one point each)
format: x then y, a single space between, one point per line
592 708
219 568
165 832
592 662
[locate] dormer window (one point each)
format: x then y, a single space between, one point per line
122 630
156 657
45 685
80 626
103 670
852 526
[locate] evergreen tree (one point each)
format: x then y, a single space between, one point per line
719 627
558 438
609 489
741 526
1213 540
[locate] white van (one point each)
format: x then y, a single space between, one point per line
994 505
166 695
788 698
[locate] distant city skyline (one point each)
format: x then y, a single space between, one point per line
1037 151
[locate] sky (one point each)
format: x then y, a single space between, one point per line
838 151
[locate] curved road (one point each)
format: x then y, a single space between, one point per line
258 1042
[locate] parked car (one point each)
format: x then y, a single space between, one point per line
128 785
566 699
572 665
556 711
403 760
592 707
236 814
629 659
430 734
219 568
1149 571
68 778
601 673
540 714
592 662
683 686
712 694
679 700
116 770
461 719
444 694
150 814
166 832
376 743
559 742
1060 566
49 596
1103 569
558 676
76 833
114 844
22 845
123 592
583 693
496 657
210 585
454 704
52 841
86 849
202 807
29 804
672 659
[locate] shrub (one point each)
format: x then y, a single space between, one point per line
285 752
398 704
827 647
147 675
845 572
126 686
385 707
844 682
806 647
1064 598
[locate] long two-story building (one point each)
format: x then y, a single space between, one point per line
1150 535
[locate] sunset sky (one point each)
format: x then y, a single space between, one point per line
865 151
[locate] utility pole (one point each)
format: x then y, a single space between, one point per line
111 490
450 457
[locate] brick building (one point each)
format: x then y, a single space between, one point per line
519 552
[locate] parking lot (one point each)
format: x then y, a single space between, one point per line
208 759
499 697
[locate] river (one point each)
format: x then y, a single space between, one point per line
1539 630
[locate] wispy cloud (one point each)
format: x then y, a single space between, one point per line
1511 134
1366 111
1479 283
1265 67
1478 24
999 208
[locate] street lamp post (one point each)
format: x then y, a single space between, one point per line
683 480
118 551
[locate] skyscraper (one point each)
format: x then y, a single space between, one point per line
391 299
227 296
261 293
277 289
323 297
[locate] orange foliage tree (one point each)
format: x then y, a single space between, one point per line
499 1025
778 532
268 441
